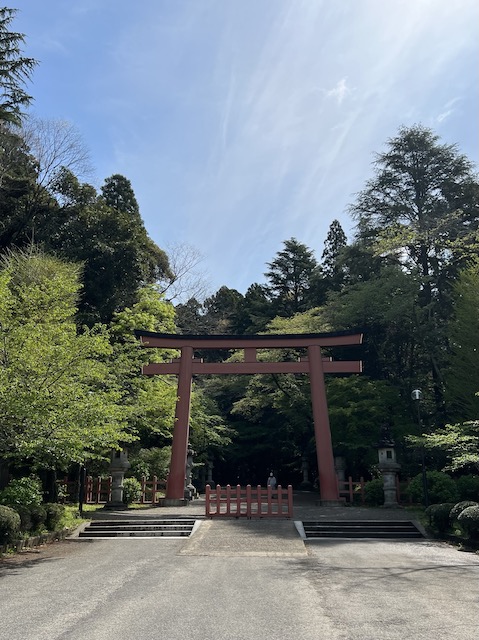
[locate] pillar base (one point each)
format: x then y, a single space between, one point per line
115 506
173 502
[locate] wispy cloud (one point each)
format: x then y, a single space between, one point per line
448 110
340 91
243 124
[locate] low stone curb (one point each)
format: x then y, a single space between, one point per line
35 541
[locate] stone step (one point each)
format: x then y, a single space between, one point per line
361 529
141 523
143 528
133 534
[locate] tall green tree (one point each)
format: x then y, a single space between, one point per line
462 374
289 277
106 235
225 311
258 308
19 198
15 70
333 266
422 208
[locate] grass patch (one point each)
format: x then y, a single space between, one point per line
71 518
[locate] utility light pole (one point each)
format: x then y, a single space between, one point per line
416 395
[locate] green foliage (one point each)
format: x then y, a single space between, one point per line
468 487
468 520
23 492
105 233
209 434
148 401
459 441
26 523
15 70
374 492
383 306
58 402
438 515
150 462
462 376
334 269
9 524
358 406
131 490
310 321
224 312
419 212
38 515
440 486
54 515
458 508
290 277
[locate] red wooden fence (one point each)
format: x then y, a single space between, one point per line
98 490
353 490
249 502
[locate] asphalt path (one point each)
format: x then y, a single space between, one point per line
152 589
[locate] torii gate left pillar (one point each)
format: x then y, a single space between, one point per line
181 429
315 365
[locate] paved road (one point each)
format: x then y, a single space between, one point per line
156 588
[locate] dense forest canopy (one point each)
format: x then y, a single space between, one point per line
79 273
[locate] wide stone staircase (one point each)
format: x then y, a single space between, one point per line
390 529
139 528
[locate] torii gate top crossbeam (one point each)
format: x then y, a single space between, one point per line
177 341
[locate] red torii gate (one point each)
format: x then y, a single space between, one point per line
314 364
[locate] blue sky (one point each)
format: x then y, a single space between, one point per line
243 123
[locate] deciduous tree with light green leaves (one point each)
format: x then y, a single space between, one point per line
58 403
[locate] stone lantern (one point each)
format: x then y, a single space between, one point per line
190 489
388 466
119 464
209 473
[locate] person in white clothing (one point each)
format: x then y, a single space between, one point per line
271 481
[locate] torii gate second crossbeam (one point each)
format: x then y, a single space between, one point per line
314 364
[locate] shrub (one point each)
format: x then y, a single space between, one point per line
468 520
439 516
22 491
9 524
131 490
468 487
55 513
440 488
150 462
459 508
374 492
38 514
25 518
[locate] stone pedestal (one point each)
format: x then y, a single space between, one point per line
388 466
119 464
389 469
340 468
306 485
389 474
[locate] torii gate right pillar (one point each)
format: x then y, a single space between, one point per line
328 484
